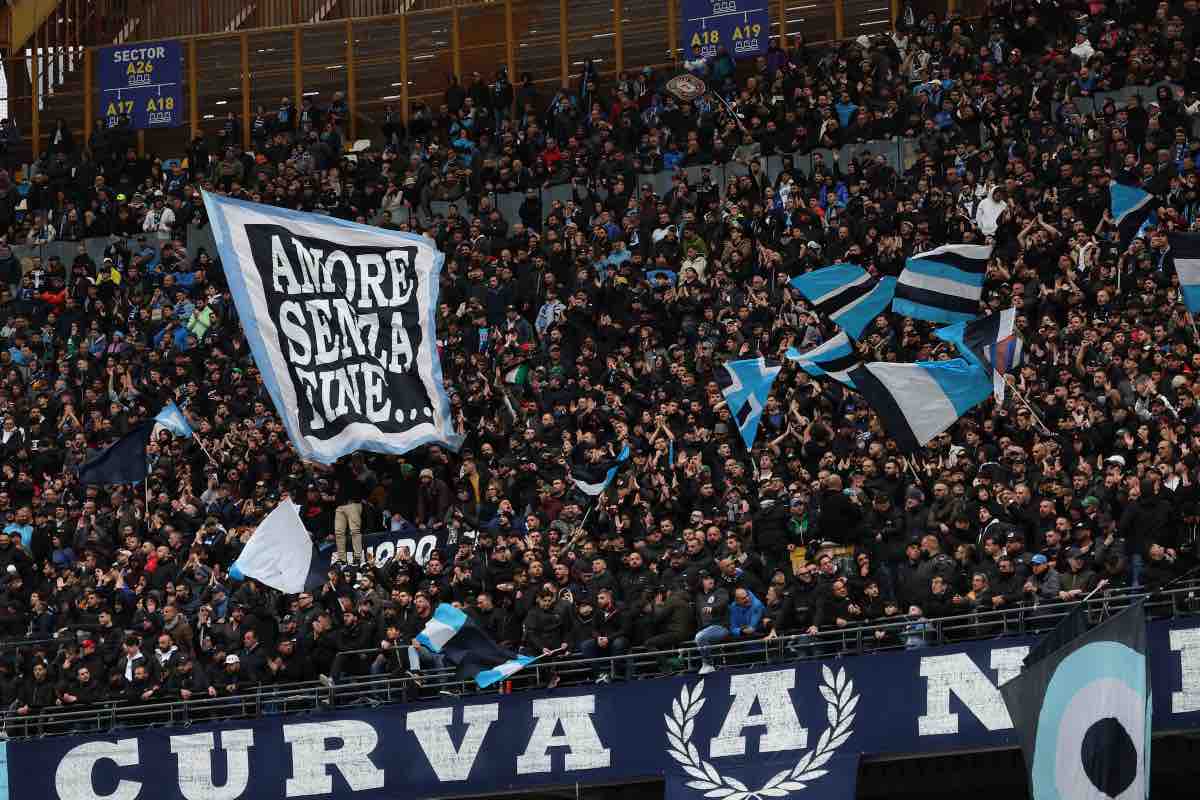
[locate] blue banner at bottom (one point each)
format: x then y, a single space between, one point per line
730 735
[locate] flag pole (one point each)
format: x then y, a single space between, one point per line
583 522
204 450
1016 392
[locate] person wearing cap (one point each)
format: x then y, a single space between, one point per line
232 681
1079 578
1043 584
712 618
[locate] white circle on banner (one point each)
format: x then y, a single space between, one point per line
1128 709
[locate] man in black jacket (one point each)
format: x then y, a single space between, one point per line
547 628
189 681
33 698
611 634
841 514
354 635
81 690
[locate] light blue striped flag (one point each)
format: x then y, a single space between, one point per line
847 294
443 626
833 359
487 677
944 284
746 385
1185 254
918 401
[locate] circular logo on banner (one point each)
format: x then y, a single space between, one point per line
840 700
687 86
1093 729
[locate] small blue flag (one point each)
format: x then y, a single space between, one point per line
172 418
746 385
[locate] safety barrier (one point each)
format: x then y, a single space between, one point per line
408 686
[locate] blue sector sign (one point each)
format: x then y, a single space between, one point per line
143 81
742 27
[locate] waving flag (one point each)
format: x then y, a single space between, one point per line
835 358
453 634
124 461
592 480
944 284
746 385
279 553
173 420
918 401
1083 713
992 342
1133 210
341 321
1185 252
847 294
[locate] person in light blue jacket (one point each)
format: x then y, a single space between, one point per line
745 615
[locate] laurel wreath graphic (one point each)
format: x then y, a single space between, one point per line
841 701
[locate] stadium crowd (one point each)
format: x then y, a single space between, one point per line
558 350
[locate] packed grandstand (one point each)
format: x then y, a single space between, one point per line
608 246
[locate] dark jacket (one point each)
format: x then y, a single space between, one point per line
546 629
614 623
840 518
674 618
712 608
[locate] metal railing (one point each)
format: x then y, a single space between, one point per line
355 691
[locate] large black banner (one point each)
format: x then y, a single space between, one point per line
340 319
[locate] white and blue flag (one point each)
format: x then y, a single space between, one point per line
487 677
1133 211
834 359
1185 253
279 553
593 482
918 401
172 418
746 385
847 294
443 626
944 284
341 319
453 634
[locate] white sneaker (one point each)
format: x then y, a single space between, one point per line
706 668
336 558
